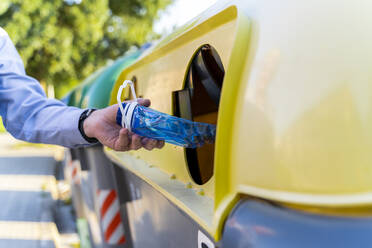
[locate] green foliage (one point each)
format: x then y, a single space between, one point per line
63 41
4 5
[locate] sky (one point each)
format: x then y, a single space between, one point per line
179 13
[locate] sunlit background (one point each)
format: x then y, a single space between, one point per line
63 42
180 12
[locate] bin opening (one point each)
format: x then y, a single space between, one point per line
199 101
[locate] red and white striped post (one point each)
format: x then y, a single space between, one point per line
110 219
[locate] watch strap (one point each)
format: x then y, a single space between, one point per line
82 118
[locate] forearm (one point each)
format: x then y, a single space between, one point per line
27 113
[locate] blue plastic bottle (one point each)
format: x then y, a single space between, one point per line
153 124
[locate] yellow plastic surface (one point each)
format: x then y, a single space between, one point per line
165 74
295 118
302 122
161 71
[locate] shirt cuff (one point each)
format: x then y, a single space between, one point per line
74 136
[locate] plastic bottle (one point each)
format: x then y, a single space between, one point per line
153 124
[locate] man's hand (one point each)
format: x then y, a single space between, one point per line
101 124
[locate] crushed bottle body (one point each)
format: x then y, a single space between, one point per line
153 124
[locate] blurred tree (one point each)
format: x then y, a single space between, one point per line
63 41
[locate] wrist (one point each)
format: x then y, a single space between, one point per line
86 126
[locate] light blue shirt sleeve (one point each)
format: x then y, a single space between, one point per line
27 113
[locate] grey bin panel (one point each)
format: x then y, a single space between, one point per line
101 167
78 201
87 192
79 153
149 218
259 224
154 220
103 177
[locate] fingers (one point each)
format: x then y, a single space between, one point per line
144 102
136 142
149 144
131 141
160 144
145 143
123 141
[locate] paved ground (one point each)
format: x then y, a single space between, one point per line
30 212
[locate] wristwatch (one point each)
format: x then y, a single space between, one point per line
82 118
